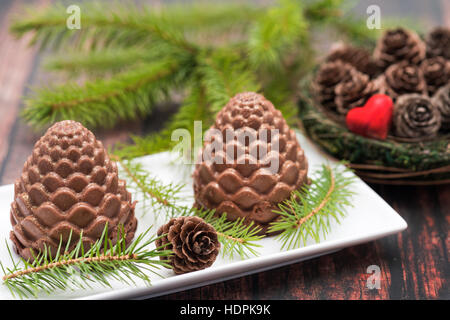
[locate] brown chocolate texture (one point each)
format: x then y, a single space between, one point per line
68 185
241 185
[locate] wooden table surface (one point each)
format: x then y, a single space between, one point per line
414 264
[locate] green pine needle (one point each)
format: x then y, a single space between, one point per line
277 31
103 102
204 53
236 237
117 25
79 269
309 211
99 63
153 194
223 75
142 146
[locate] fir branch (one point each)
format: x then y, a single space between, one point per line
79 269
154 194
73 261
194 108
309 210
213 23
323 10
100 62
276 32
268 51
117 25
218 76
236 237
141 146
103 102
223 74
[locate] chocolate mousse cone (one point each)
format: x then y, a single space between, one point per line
247 176
69 188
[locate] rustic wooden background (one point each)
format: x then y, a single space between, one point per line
414 264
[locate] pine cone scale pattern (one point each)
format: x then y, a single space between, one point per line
401 64
441 100
438 43
240 183
399 45
194 244
359 58
354 91
329 75
403 78
68 184
416 116
436 73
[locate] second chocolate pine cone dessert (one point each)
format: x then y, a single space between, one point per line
69 185
230 179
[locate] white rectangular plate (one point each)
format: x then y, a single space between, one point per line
370 218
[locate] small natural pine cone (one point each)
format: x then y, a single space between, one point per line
397 45
441 100
403 78
359 58
329 75
438 42
354 91
193 242
436 71
415 116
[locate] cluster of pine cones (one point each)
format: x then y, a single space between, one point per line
414 72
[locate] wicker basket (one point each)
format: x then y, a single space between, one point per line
391 161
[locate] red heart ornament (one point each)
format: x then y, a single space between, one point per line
373 120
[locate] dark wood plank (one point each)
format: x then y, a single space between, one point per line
414 264
16 63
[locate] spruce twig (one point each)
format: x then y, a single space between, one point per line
308 212
99 63
154 194
122 25
115 41
78 268
236 236
103 101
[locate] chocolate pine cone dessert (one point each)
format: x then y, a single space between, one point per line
415 116
354 91
68 184
359 58
247 178
441 100
329 75
402 78
438 43
397 45
193 241
436 72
